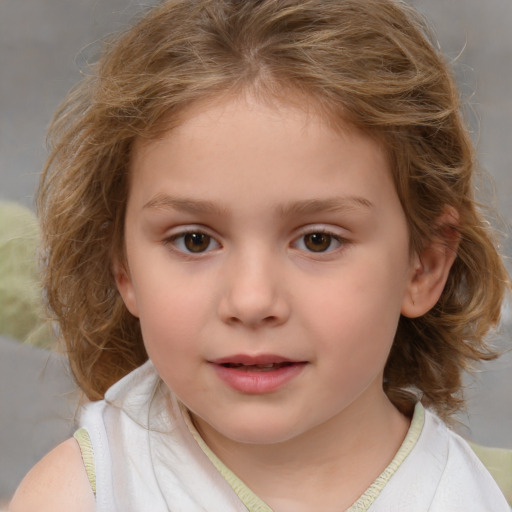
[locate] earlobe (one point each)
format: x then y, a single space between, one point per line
430 268
125 287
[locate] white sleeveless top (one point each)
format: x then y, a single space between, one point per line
148 457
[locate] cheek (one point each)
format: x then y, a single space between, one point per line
170 343
172 319
357 313
166 318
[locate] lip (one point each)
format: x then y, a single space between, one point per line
253 359
257 381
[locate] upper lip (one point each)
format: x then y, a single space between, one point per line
259 359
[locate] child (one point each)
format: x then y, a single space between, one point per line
265 258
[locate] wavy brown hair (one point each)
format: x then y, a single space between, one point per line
370 63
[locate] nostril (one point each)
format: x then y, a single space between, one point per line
268 320
253 308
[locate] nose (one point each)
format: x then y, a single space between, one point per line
254 294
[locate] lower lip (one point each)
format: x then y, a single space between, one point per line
256 382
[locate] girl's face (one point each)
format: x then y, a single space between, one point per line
268 262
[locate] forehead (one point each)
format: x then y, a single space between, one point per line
253 161
240 109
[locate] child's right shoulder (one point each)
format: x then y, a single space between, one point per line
57 482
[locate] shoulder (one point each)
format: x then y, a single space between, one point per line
440 473
57 482
464 476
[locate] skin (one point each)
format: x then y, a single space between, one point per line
264 187
57 482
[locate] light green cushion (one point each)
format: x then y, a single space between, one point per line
499 463
20 296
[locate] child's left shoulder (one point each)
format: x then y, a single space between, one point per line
441 473
464 483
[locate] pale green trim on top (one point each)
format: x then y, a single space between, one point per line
255 504
413 434
248 498
84 442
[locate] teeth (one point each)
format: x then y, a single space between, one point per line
262 367
255 367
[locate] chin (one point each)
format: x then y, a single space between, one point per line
262 432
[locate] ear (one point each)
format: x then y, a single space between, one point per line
431 267
125 287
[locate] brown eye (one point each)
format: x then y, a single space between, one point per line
192 242
196 242
318 242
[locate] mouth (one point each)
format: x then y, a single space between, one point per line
258 367
259 374
259 362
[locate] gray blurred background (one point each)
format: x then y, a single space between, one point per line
43 46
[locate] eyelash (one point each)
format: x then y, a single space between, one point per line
178 241
174 241
332 237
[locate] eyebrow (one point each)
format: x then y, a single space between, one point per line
305 207
332 204
166 202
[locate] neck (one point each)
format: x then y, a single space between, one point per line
328 467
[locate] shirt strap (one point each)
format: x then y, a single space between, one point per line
413 434
252 502
84 442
